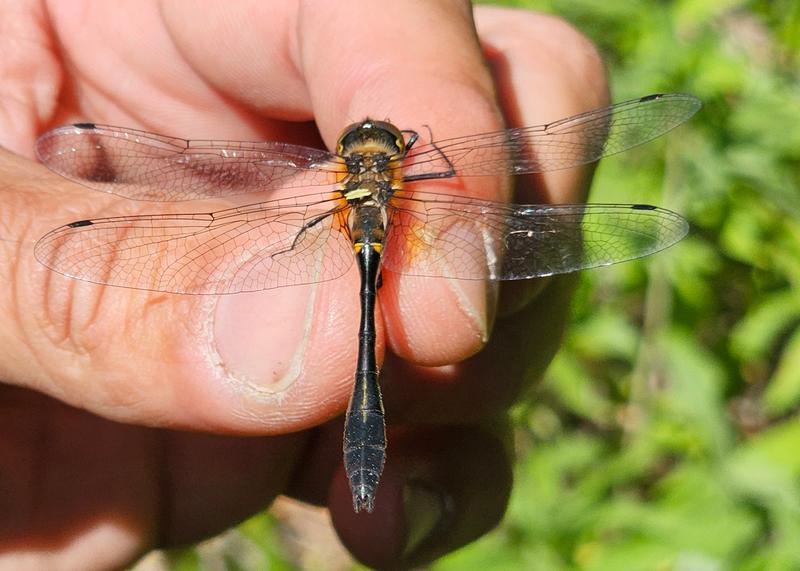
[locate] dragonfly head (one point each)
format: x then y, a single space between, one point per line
370 136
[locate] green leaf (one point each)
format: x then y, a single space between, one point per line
783 392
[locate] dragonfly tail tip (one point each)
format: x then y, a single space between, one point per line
363 500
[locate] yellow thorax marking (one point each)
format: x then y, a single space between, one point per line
356 193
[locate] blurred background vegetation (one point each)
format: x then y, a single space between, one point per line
665 434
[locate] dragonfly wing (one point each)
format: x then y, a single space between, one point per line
251 248
563 144
448 236
147 166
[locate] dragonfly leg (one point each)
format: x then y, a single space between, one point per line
412 138
450 172
306 226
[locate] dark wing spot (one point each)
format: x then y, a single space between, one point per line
651 97
643 207
80 223
84 125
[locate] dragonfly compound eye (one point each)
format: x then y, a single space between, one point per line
370 136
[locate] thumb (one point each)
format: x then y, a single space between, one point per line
248 363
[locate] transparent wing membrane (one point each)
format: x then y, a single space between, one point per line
252 248
440 235
563 144
146 166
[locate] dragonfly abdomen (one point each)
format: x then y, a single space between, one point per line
364 433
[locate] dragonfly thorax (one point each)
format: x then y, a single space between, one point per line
372 151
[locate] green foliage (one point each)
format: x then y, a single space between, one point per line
665 434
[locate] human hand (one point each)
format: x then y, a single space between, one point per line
117 478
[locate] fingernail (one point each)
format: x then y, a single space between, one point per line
478 300
477 296
426 511
260 338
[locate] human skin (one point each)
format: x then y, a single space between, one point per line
133 420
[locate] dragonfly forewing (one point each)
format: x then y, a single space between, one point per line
562 144
147 166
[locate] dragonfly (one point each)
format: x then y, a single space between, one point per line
363 204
